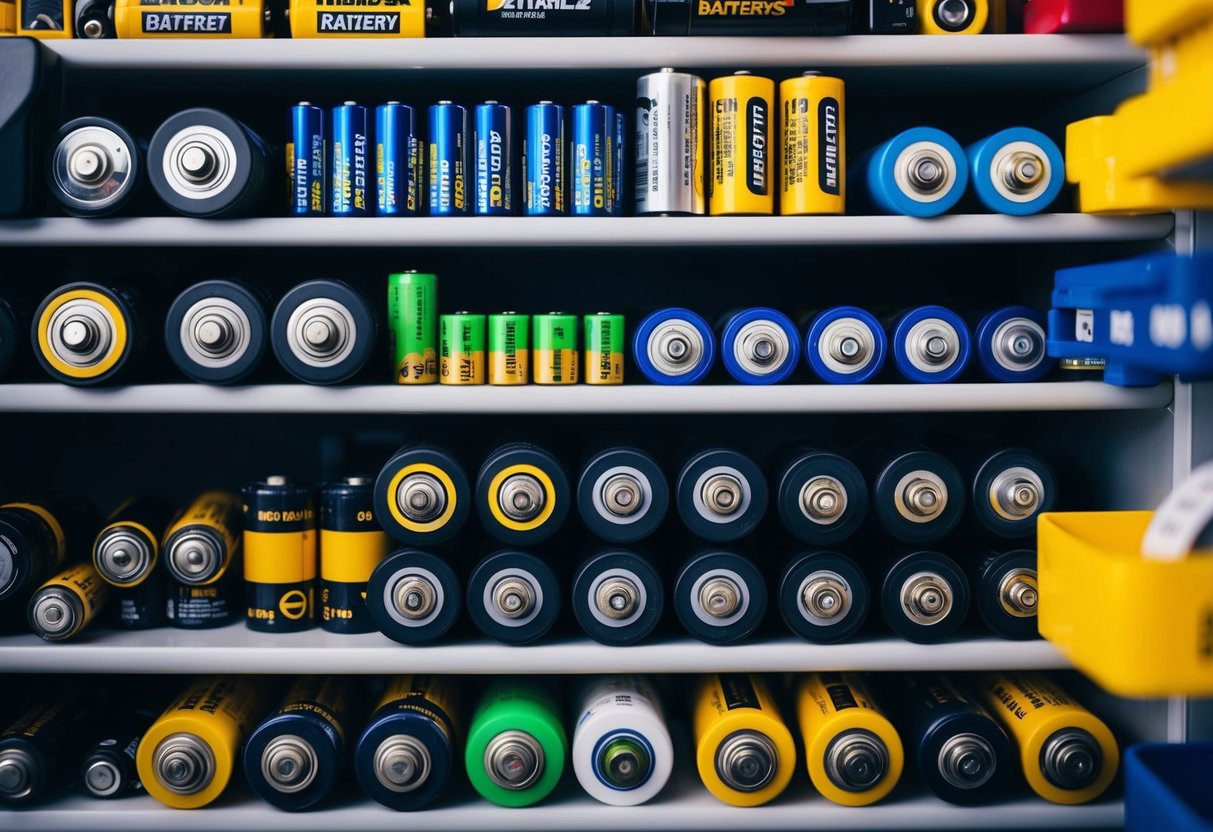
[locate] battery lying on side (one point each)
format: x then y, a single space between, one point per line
422 495
204 163
64 605
516 745
414 597
85 333
95 168
279 555
203 542
39 747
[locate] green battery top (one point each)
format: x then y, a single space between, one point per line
555 331
516 706
604 333
461 332
509 332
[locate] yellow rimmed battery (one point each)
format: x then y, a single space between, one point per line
461 347
204 540
64 605
604 340
813 145
854 753
345 19
412 309
279 555
509 348
191 19
128 547
1068 754
554 342
85 333
185 759
351 545
742 145
743 749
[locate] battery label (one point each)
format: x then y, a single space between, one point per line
491 191
738 691
827 145
840 692
195 606
215 23
757 118
308 175
1021 698
380 23
534 9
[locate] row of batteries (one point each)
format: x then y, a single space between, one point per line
962 735
204 163
325 332
422 498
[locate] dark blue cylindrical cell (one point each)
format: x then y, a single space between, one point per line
618 597
622 495
1007 594
922 172
821 496
592 155
823 597
414 597
1010 489
845 345
448 159
759 345
543 162
674 346
398 160
493 149
513 597
721 495
1011 344
918 496
924 597
1017 171
309 175
351 168
617 179
931 345
720 597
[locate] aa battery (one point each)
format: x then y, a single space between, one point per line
554 339
203 163
307 161
953 17
461 349
37 534
350 143
813 144
721 495
622 495
622 751
412 309
1068 754
140 607
522 494
1010 489
742 149
854 754
743 750
399 154
719 17
39 748
295 756
822 497
218 604
217 331
108 769
509 348
543 163
921 172
526 18
759 345
824 597
924 597
516 744
182 19
94 19
918 496
96 167
405 756
322 19
323 331
1007 594
204 539
414 597
674 346
845 345
1011 344
513 597
720 596
670 143
592 155
352 543
186 758
931 345
127 550
448 159
618 597
493 160
279 555
422 495
64 605
85 333
1017 171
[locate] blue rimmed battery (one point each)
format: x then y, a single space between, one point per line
350 163
1017 171
845 345
931 345
308 173
617 179
543 163
759 345
593 152
448 159
921 172
674 346
398 164
493 151
1011 344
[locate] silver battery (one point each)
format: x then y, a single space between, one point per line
194 556
94 170
17 772
670 158
102 778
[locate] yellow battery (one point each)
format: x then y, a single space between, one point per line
742 145
813 144
280 556
208 528
185 759
8 18
744 752
1068 754
199 19
64 605
933 16
854 753
343 19
33 20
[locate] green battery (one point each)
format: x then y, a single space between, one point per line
555 347
509 348
516 745
603 348
461 345
412 308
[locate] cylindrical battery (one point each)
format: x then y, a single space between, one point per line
1006 593
352 543
822 497
64 605
108 769
203 542
918 496
399 152
554 342
618 597
759 345
622 751
670 143
719 17
95 167
1068 754
350 183
743 750
1017 171
35 536
86 333
592 156
448 159
140 607
414 597
742 146
854 754
674 346
461 349
522 494
94 19
216 331
721 495
845 345
493 160
519 18
1011 488
921 172
516 744
720 597
218 604
412 313
953 17
924 597
824 597
186 758
185 19
279 555
622 494
307 161
323 331
543 163
203 163
38 748
813 130
513 597
509 348
406 753
1011 344
295 756
931 344
422 495
309 19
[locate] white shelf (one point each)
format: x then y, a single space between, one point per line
464 232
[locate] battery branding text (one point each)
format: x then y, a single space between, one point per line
194 22
738 691
387 23
604 351
827 144
534 9
491 190
547 170
841 695
757 119
185 2
376 4
741 8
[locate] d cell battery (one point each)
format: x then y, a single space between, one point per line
279 555
352 543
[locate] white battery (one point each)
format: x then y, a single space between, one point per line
622 753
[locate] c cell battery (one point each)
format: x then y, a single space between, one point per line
759 345
618 596
674 346
720 596
930 344
1007 594
953 17
40 745
414 597
324 331
509 361
525 18
217 331
514 597
279 555
36 534
622 494
86 333
813 145
352 543
721 495
461 349
516 745
821 497
95 167
203 542
182 19
412 311
554 344
94 20
920 172
603 340
1010 488
386 19
622 751
918 495
924 596
422 495
719 17
1017 171
741 170
824 596
1011 345
845 345
522 494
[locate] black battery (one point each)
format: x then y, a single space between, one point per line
622 494
414 597
324 331
39 748
721 495
720 596
422 495
918 496
352 544
513 597
36 535
522 493
618 596
280 555
824 597
142 606
886 17
822 497
216 604
924 597
1006 593
108 769
544 18
217 331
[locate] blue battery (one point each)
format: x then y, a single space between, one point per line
617 179
448 159
931 345
1017 171
759 345
593 152
845 345
308 172
397 160
922 172
493 151
674 346
351 170
543 165
1011 344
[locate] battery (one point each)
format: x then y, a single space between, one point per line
674 346
127 549
845 345
522 494
543 164
64 605
592 155
813 145
461 348
554 339
422 495
1017 171
921 172
183 19
540 18
203 163
351 169
323 331
140 607
95 168
85 333
412 311
493 157
822 497
108 769
720 17
622 751
670 143
604 340
824 596
36 535
448 159
352 543
380 20
618 597
742 150
1011 488
307 153
399 152
1007 594
513 597
414 597
94 19
516 744
217 331
509 348
924 597
218 604
279 555
889 17
759 345
1011 344
622 494
720 596
953 17
203 542
721 495
931 345
40 746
